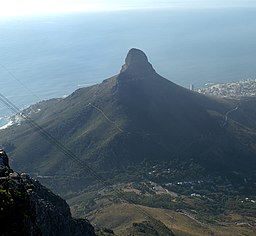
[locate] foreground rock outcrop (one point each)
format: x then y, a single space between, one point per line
29 208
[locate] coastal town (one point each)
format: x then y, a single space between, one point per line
241 88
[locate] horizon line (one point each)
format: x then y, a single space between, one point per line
102 10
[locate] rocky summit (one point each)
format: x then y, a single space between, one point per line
136 61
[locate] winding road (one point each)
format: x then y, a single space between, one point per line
227 114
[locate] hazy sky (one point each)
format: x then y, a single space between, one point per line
26 7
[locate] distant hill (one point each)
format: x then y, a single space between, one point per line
132 118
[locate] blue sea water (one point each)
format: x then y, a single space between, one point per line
3 121
51 56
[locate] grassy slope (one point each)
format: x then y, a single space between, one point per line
123 215
98 206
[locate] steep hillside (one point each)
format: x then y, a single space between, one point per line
28 208
132 118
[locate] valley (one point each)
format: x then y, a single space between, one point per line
184 214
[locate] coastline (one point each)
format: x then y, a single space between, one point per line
5 122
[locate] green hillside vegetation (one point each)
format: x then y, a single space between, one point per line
133 119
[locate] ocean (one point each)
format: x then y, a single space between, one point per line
3 121
51 56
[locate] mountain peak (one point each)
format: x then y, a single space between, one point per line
137 61
136 56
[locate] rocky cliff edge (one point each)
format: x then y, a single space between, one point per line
29 208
